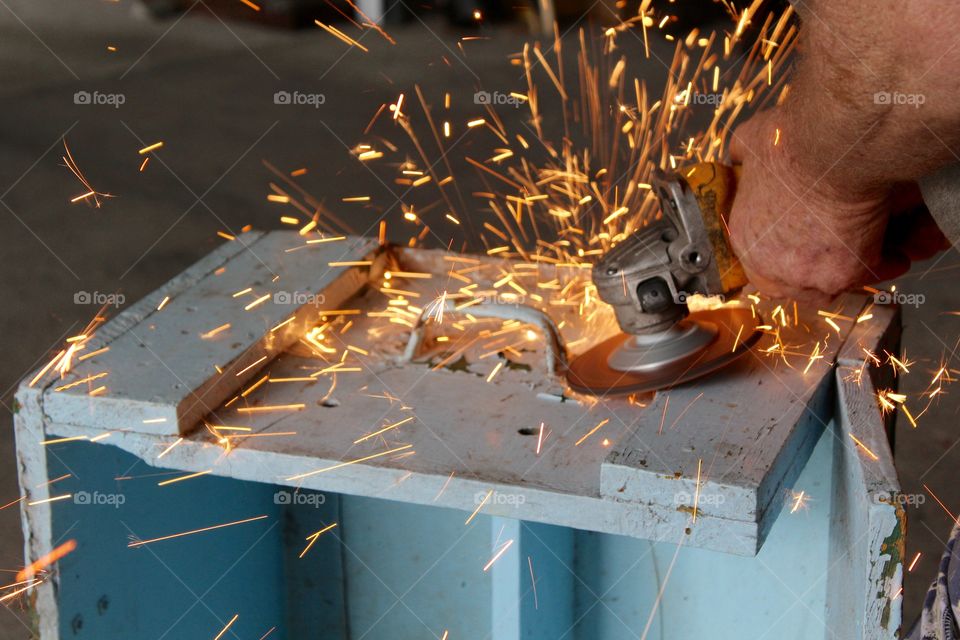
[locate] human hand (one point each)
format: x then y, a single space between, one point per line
799 236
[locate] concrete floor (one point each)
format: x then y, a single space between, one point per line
206 89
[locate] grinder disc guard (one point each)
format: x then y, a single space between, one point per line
701 344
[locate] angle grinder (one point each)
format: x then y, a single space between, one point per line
648 278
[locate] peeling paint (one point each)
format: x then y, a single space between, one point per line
892 545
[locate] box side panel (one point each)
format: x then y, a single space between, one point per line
187 586
546 581
414 571
312 564
35 511
866 546
658 589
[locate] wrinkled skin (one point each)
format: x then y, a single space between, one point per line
800 237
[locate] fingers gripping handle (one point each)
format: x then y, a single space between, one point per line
714 187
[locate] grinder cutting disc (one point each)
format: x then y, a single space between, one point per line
706 343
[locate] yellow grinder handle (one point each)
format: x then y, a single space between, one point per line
714 186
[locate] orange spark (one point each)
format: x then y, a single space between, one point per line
340 35
499 553
75 170
236 615
386 428
344 464
257 302
189 476
140 543
46 560
940 502
913 562
591 432
268 408
313 537
170 448
479 506
149 148
864 447
696 495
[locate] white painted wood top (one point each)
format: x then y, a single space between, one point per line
160 367
458 437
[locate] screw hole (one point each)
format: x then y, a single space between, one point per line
528 431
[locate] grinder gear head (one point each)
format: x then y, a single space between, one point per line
649 275
647 279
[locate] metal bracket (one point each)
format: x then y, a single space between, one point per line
555 353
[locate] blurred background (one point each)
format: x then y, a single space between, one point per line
107 78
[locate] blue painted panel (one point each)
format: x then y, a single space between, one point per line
414 571
188 587
780 594
314 582
393 570
617 583
506 599
547 612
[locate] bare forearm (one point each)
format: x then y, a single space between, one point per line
876 95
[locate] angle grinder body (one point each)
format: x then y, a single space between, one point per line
647 279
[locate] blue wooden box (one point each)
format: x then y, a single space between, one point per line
468 532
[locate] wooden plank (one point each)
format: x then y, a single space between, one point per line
876 338
35 511
879 333
744 433
867 541
410 480
161 366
